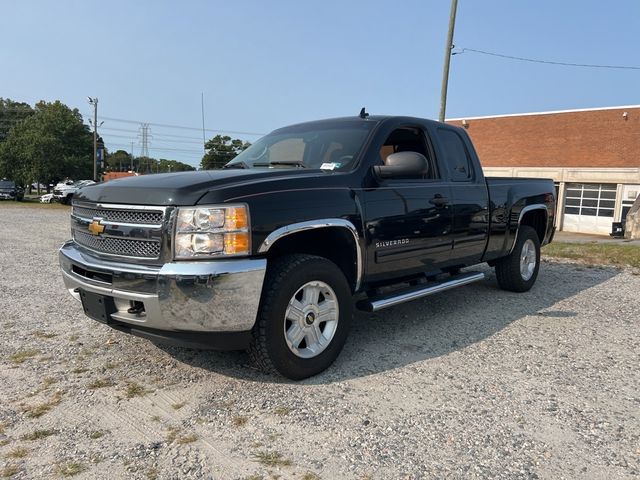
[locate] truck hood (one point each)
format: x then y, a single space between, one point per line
181 188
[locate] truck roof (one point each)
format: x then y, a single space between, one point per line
357 120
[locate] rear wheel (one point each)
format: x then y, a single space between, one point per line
304 317
518 271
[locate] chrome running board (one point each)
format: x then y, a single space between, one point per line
385 301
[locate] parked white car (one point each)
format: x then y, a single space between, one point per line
47 198
64 191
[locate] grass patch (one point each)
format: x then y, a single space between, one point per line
18 452
36 411
185 439
2 428
272 459
310 476
174 435
41 334
239 421
282 411
21 356
79 370
9 471
101 383
153 473
595 253
38 434
48 381
70 469
178 406
110 365
135 390
96 435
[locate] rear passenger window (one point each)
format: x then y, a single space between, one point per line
456 155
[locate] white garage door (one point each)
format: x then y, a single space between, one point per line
588 207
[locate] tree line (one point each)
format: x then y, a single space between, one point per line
50 141
42 143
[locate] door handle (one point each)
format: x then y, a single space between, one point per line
439 201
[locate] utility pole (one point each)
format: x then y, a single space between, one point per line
447 59
94 102
132 156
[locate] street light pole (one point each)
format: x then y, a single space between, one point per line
94 102
447 60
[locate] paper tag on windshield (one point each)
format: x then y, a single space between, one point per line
329 166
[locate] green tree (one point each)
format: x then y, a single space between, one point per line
11 114
173 166
220 150
51 143
120 159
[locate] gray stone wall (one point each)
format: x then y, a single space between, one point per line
632 227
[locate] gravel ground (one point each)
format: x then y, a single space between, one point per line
472 383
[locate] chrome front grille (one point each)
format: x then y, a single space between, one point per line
124 231
144 217
118 246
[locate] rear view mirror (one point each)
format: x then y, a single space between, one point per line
403 164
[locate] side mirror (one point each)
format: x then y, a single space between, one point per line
403 164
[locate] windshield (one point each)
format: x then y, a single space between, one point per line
327 146
6 184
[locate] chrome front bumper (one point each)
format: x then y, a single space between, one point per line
207 296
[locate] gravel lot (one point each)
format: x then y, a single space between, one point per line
472 383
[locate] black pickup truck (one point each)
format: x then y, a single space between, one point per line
273 252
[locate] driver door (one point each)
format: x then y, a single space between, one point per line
408 221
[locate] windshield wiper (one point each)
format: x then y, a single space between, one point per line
294 163
239 164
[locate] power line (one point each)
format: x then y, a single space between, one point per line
182 127
548 62
159 134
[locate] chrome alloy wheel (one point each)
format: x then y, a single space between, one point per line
528 260
311 319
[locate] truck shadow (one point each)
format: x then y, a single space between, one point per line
429 328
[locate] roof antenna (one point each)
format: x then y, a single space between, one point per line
363 113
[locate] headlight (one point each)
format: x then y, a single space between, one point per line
212 231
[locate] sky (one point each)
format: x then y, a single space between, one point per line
261 65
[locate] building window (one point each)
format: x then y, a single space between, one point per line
591 199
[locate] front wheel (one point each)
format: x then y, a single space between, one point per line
304 317
518 271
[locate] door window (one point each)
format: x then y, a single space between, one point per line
410 139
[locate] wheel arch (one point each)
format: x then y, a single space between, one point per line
535 216
323 238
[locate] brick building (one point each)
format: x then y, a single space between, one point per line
593 156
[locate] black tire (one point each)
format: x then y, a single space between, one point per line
508 271
286 276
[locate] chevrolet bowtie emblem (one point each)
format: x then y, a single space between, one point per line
96 228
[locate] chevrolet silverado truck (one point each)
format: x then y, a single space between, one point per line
63 192
273 252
